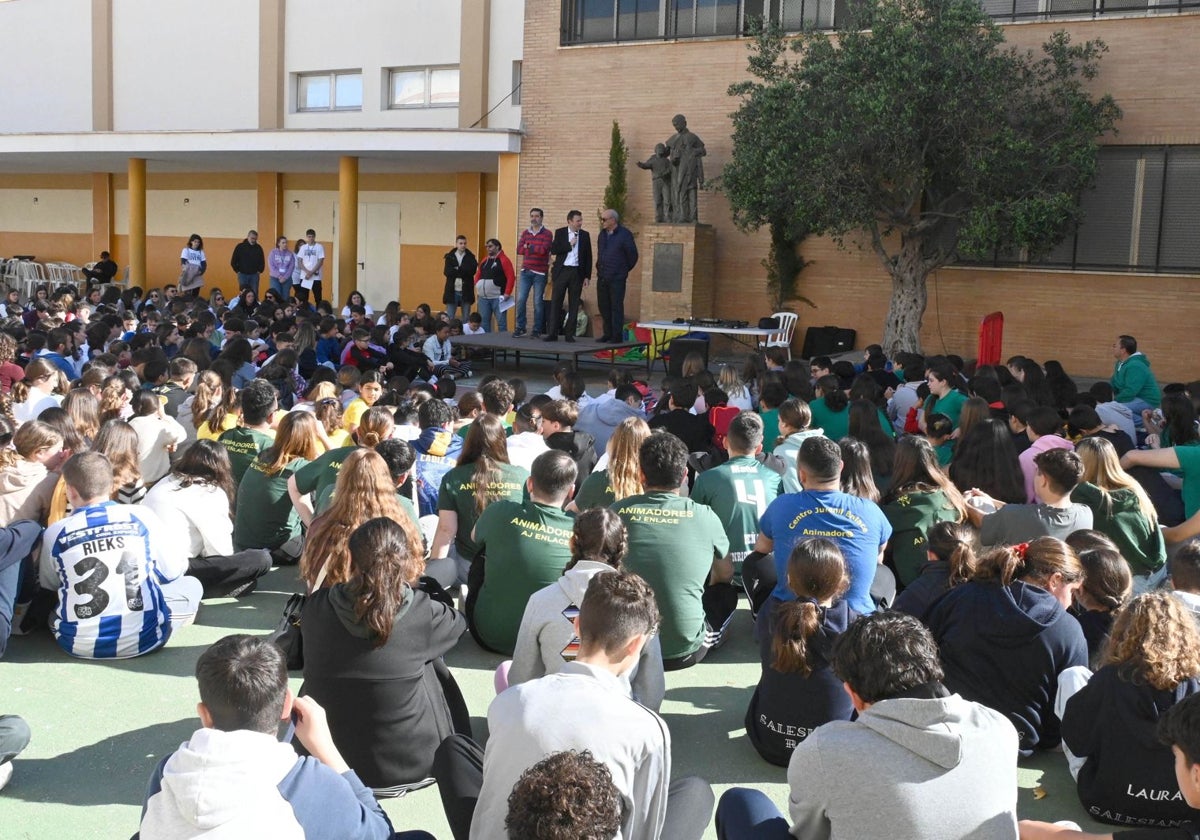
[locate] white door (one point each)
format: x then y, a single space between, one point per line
378 254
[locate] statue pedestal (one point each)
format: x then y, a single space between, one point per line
678 271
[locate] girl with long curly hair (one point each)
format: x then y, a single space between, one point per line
1151 662
364 490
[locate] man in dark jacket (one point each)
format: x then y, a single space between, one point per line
248 261
459 270
572 250
617 255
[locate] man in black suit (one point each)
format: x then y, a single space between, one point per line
572 250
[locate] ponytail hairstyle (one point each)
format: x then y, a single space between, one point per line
1035 562
1107 579
816 572
38 370
954 543
831 389
375 426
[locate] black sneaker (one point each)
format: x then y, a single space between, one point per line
518 334
535 334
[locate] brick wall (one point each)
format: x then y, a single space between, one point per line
570 96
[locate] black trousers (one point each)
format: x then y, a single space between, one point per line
458 768
568 283
221 575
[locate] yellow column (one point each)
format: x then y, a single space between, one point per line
102 213
137 222
507 183
347 275
470 202
270 208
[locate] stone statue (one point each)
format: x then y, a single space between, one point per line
660 168
687 152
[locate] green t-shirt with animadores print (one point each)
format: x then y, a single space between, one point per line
265 517
457 493
672 544
243 446
595 492
527 546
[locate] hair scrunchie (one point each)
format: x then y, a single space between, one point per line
1021 549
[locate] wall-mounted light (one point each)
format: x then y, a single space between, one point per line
35 199
296 203
441 206
187 201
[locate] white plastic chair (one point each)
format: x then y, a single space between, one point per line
782 338
32 274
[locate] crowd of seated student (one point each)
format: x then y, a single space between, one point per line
289 446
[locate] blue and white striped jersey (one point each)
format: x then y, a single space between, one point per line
106 561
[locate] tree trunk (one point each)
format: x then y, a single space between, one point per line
909 297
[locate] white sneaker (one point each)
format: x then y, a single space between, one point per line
6 772
18 618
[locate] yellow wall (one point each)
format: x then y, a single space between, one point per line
421 279
46 210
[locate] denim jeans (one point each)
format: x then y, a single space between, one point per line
537 282
489 307
744 813
1137 405
283 288
248 281
458 305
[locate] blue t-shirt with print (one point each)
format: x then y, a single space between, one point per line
857 526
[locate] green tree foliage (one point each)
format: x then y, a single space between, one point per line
616 194
917 130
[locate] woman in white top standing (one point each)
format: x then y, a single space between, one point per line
195 502
193 264
35 393
158 436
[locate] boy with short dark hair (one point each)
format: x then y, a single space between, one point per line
245 442
680 547
233 778
120 578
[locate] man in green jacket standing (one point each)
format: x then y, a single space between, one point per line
1133 382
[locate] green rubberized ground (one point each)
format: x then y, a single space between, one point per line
100 728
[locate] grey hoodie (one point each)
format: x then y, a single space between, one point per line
601 418
547 641
942 769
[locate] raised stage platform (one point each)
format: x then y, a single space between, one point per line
580 350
